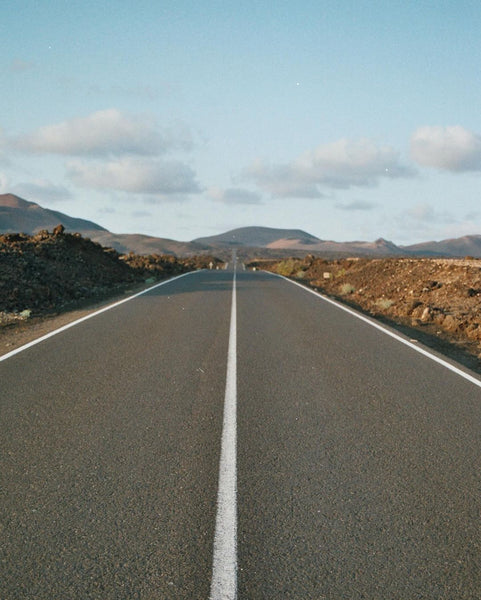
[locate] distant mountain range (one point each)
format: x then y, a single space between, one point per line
259 237
19 215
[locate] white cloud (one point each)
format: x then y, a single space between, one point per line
234 196
153 199
356 205
423 214
105 133
282 180
147 176
41 190
338 165
140 214
4 160
423 222
4 183
448 148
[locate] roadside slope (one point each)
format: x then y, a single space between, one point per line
437 297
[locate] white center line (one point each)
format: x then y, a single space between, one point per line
224 570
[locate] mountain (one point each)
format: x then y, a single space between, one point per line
146 244
468 245
298 241
380 247
259 237
20 216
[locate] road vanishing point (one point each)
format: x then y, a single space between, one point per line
231 435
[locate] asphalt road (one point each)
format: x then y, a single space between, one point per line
358 459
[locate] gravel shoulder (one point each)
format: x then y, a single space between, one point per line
435 301
52 278
22 332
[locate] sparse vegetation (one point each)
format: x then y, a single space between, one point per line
346 289
287 267
384 303
440 296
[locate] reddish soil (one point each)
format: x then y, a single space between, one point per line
438 298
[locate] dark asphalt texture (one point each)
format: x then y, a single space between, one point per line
358 459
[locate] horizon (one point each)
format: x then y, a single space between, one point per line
288 229
351 121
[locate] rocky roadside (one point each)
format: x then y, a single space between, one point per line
439 299
53 277
20 331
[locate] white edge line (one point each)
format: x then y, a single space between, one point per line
224 564
397 337
89 316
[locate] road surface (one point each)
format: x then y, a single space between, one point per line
350 469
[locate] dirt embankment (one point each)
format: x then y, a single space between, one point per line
440 297
50 273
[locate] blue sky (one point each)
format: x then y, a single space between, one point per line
348 119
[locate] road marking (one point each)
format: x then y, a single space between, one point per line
224 569
397 337
94 314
